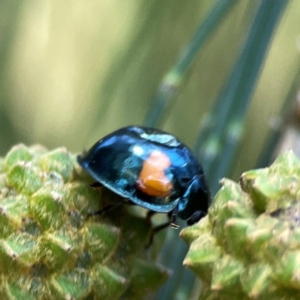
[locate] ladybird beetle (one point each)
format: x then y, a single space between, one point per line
152 169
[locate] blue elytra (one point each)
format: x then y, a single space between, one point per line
151 168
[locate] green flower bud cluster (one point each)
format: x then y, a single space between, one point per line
50 246
248 247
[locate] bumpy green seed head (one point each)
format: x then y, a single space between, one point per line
50 246
248 247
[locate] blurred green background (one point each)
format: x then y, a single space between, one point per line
73 71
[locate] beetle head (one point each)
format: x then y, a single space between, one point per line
193 205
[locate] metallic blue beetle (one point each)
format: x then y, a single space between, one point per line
152 169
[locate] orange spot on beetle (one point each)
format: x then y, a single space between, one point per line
152 180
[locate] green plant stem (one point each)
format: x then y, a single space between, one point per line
286 117
227 117
223 132
174 76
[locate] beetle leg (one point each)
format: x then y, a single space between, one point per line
155 230
95 185
172 215
105 209
149 215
